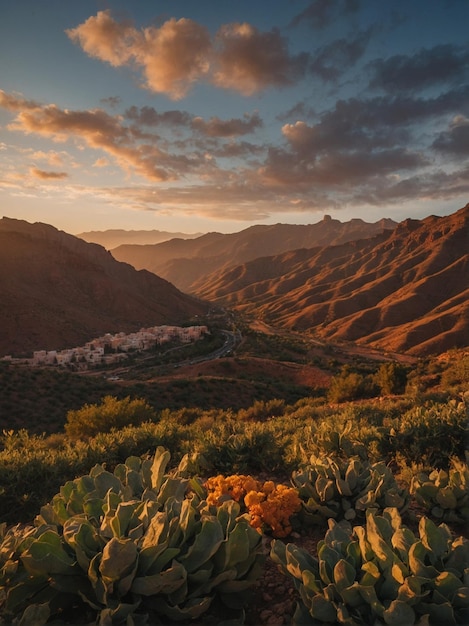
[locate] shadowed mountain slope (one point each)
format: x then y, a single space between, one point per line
405 290
57 291
184 262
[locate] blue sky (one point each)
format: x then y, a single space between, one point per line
200 116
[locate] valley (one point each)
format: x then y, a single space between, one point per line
331 385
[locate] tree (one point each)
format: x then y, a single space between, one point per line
112 413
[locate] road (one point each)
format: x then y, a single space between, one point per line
231 340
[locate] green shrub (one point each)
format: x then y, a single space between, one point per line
242 447
111 413
128 547
261 410
346 386
31 471
432 434
380 573
457 372
391 378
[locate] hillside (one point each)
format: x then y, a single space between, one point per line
405 290
57 291
183 262
117 237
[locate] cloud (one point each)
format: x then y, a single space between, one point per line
248 60
321 13
454 141
43 175
180 52
360 151
99 130
171 57
191 150
52 157
174 56
148 116
210 201
331 61
112 101
105 39
15 102
101 162
380 122
216 127
336 171
442 64
434 185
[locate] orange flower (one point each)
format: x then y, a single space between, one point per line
253 497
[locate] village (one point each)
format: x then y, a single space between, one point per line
111 348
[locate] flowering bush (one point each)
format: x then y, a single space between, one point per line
269 505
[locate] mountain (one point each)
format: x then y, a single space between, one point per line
117 237
184 262
57 291
405 290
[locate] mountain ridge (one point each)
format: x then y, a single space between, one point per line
406 290
114 237
59 291
183 261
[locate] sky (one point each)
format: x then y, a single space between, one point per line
198 116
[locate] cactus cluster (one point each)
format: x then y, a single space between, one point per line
345 489
380 573
444 494
130 546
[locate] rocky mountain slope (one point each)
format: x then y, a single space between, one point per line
405 290
115 237
57 291
184 262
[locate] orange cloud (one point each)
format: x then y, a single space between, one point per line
52 158
103 38
180 52
101 162
172 56
97 129
43 175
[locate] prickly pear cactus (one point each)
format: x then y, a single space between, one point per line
380 573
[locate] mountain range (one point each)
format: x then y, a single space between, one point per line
183 262
401 288
57 291
404 290
117 237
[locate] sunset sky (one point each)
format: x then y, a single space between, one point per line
197 116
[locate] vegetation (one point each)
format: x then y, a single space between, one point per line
39 399
346 489
444 494
98 528
110 414
127 547
380 572
270 507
